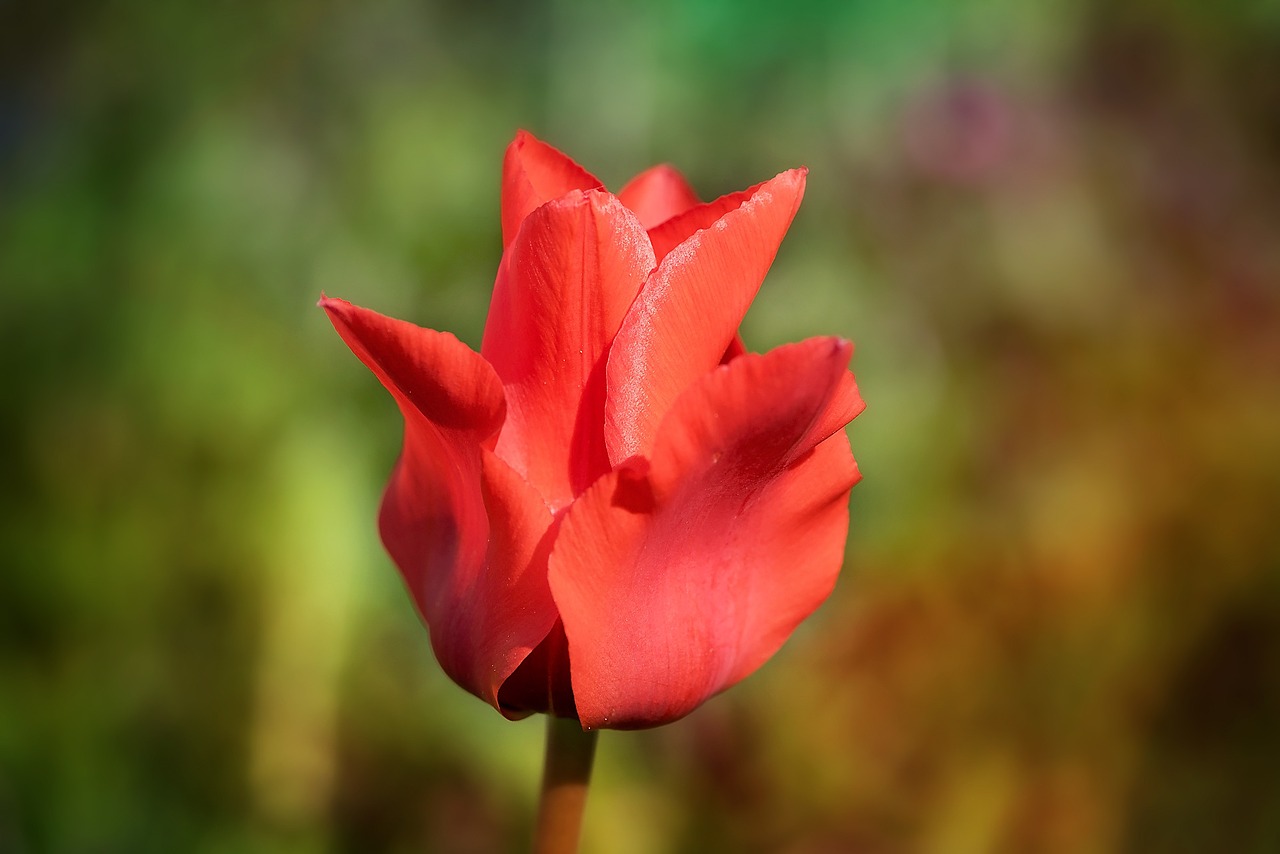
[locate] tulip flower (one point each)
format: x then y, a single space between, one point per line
613 511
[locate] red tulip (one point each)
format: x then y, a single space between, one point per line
613 512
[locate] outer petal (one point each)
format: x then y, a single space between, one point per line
563 288
679 577
685 319
432 373
658 194
534 173
461 525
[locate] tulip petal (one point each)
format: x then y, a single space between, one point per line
459 523
685 319
563 287
534 173
658 194
496 619
678 576
431 372
670 233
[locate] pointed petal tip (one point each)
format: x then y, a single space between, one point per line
835 349
533 173
337 309
795 176
798 178
334 307
792 182
523 138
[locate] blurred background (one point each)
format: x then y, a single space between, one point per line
1052 230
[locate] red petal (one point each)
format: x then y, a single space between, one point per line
461 525
670 233
845 405
428 371
563 288
497 618
677 578
534 173
658 194
689 311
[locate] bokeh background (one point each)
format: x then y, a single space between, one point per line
1052 230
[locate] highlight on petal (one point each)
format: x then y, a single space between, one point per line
658 194
563 287
685 319
678 576
534 173
460 525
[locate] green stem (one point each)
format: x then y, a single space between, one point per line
564 786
